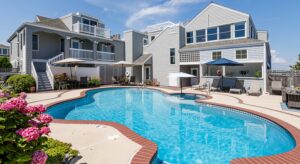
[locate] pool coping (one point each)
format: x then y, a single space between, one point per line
149 149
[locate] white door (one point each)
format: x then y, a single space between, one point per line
195 72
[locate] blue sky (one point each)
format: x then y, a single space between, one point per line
280 18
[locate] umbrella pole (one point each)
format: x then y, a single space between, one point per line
71 71
180 86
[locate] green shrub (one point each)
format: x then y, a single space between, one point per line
56 151
21 83
258 74
94 83
4 62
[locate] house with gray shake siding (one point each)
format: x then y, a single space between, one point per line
216 32
158 51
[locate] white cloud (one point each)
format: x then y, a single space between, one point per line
157 12
276 59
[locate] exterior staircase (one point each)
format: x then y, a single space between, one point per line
43 82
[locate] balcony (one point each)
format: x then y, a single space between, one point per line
89 55
189 57
91 30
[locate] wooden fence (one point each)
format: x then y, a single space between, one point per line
288 78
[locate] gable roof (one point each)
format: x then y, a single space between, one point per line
216 5
56 23
142 59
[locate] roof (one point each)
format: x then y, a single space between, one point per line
56 23
142 59
2 45
221 44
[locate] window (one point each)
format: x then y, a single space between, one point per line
62 45
89 22
93 23
189 37
200 36
0 50
85 21
240 30
224 32
75 44
21 41
35 42
145 40
216 55
212 34
241 54
152 38
172 56
5 51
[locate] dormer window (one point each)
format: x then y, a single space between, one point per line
240 30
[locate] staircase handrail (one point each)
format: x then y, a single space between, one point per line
48 68
35 76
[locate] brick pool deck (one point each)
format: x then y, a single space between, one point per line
266 106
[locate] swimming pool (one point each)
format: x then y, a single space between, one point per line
185 131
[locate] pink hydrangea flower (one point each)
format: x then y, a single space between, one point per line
31 133
4 94
33 123
45 130
18 103
45 118
23 95
7 106
40 108
34 108
39 157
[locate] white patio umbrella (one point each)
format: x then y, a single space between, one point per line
123 64
180 75
71 61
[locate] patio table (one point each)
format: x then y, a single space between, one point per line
291 97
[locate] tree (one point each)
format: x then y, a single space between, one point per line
4 62
297 65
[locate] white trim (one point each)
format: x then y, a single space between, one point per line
189 63
40 60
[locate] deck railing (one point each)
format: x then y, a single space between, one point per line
92 30
105 56
81 53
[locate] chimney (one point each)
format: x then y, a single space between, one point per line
116 37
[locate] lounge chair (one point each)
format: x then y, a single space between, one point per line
202 85
114 80
276 86
215 86
255 88
238 88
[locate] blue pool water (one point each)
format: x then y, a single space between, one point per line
185 131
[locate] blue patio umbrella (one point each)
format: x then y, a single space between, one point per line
223 62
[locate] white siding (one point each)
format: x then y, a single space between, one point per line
215 15
255 53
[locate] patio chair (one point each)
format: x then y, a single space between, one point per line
114 80
255 88
132 80
155 82
228 83
238 88
83 81
215 86
202 85
276 86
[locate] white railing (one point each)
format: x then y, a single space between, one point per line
186 57
35 76
50 74
92 30
56 58
81 53
105 56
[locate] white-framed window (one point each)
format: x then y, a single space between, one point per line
241 54
145 41
240 30
224 32
212 33
35 42
189 37
4 51
216 55
201 35
148 73
152 38
88 22
172 55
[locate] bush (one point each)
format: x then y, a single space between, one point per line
4 62
94 83
22 131
21 83
57 150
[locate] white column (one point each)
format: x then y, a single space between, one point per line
95 48
143 74
223 71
